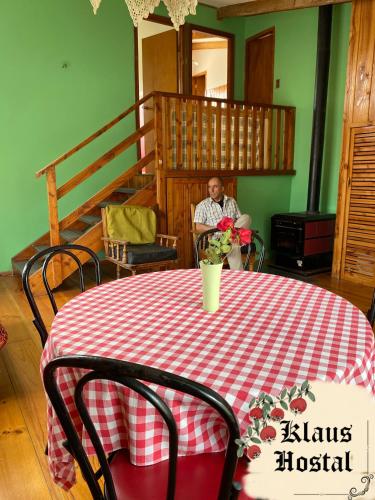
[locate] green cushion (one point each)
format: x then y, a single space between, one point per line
131 223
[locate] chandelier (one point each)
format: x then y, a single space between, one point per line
140 9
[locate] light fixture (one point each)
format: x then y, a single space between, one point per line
140 9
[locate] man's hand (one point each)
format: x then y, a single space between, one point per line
201 228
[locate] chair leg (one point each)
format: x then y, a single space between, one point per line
117 271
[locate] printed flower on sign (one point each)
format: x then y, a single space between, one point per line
266 408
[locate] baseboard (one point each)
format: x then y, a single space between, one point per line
300 272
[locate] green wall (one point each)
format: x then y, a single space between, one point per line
65 73
295 59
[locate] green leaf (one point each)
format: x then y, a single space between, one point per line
292 391
283 405
249 430
256 425
283 393
311 396
261 395
304 385
255 440
269 399
252 402
239 441
239 452
266 410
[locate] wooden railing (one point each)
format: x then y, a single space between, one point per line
56 193
191 134
201 133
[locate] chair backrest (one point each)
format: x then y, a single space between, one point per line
133 376
258 251
254 251
192 215
47 254
134 224
371 311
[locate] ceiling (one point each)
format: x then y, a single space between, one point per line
223 3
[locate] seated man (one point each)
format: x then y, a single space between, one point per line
211 210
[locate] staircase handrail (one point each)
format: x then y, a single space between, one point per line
217 99
93 136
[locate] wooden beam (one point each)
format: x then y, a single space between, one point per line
210 45
265 6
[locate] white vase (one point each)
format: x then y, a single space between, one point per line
211 276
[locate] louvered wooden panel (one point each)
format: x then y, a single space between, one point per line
359 239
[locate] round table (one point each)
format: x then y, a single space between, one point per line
269 332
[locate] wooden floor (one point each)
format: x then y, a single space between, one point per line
23 465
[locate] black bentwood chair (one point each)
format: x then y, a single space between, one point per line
47 254
206 476
253 254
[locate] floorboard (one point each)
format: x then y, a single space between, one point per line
23 465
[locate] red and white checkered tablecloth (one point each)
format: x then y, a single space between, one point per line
269 332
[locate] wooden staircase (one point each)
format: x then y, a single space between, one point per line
87 229
83 225
188 138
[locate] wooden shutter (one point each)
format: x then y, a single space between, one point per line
359 235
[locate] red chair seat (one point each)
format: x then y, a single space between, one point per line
198 477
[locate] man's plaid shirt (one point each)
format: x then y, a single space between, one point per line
210 213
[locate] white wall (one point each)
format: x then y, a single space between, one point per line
214 62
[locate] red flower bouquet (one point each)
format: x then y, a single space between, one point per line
218 248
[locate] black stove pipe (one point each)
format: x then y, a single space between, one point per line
320 101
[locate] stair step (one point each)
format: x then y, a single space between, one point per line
103 204
90 219
126 190
40 248
69 235
20 264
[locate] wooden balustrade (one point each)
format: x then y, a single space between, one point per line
56 193
191 134
214 134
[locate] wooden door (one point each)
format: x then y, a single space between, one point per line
358 257
199 85
159 65
181 192
259 64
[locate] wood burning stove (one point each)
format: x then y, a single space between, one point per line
303 241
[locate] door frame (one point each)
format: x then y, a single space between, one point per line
187 59
247 42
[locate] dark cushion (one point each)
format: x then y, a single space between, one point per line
141 254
